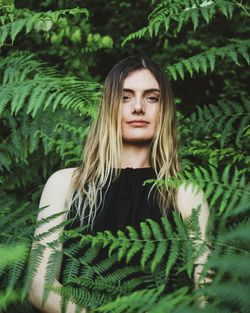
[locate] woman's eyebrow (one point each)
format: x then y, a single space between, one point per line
145 91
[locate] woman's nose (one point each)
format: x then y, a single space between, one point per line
138 105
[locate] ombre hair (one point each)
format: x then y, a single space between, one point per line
102 152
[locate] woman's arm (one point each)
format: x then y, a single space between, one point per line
187 199
54 197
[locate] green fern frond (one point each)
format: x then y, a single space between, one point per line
137 244
13 257
42 87
109 285
52 268
95 275
201 62
180 13
161 249
36 257
235 294
228 187
215 156
221 117
42 21
10 254
235 266
7 219
44 129
135 300
8 298
238 232
80 296
13 231
15 275
151 300
152 248
71 270
229 241
113 280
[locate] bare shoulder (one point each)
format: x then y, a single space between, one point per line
61 179
188 197
56 189
62 176
53 200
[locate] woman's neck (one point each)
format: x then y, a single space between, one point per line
135 156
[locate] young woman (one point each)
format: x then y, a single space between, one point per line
133 139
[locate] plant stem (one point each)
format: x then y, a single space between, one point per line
240 5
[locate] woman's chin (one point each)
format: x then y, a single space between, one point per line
137 140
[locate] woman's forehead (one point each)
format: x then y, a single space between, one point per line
141 80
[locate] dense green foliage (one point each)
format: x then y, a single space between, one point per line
54 57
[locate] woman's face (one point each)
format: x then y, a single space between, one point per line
140 107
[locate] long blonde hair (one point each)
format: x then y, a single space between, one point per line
102 151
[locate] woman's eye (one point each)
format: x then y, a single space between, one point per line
153 99
125 98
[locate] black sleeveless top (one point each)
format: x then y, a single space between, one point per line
126 203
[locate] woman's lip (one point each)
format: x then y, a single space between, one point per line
139 123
